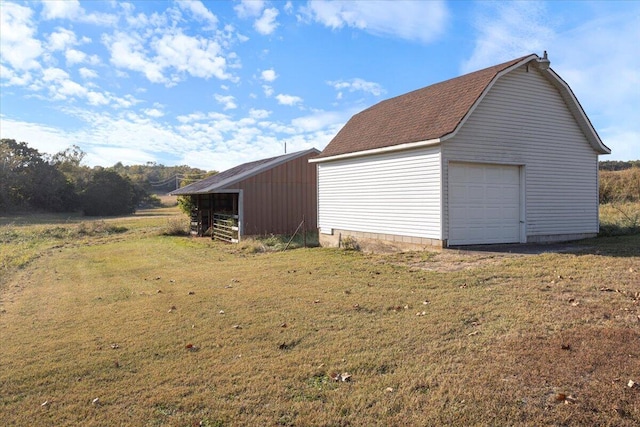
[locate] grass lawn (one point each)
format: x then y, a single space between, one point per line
110 322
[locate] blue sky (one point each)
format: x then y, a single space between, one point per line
213 84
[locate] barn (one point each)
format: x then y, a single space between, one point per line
501 155
268 196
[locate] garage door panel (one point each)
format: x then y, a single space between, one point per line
484 203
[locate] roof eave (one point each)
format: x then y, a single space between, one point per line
383 150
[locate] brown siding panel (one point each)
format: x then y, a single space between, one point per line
276 200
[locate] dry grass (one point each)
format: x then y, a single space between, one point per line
619 218
179 331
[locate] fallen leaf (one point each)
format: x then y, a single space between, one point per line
344 377
570 399
96 401
237 327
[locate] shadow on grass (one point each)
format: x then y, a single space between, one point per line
616 246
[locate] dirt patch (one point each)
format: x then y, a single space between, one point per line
469 257
448 260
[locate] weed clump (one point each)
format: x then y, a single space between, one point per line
175 227
349 243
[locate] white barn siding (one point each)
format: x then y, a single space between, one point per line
524 121
397 193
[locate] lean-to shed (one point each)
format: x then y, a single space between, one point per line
501 155
268 196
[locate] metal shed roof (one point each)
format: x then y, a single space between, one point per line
238 173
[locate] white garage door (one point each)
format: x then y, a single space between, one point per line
484 204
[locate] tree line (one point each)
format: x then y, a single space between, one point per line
30 180
618 165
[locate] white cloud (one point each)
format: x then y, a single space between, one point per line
153 112
422 21
249 8
129 53
61 39
71 10
259 114
288 99
269 75
87 74
11 78
358 84
199 11
54 74
198 56
74 56
267 24
268 90
175 55
20 49
228 101
320 120
97 98
68 9
508 30
288 7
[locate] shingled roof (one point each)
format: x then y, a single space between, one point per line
424 114
238 173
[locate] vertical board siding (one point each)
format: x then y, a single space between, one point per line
524 121
395 193
276 200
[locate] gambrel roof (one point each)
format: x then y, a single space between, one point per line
238 173
435 113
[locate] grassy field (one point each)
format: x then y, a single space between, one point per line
110 322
